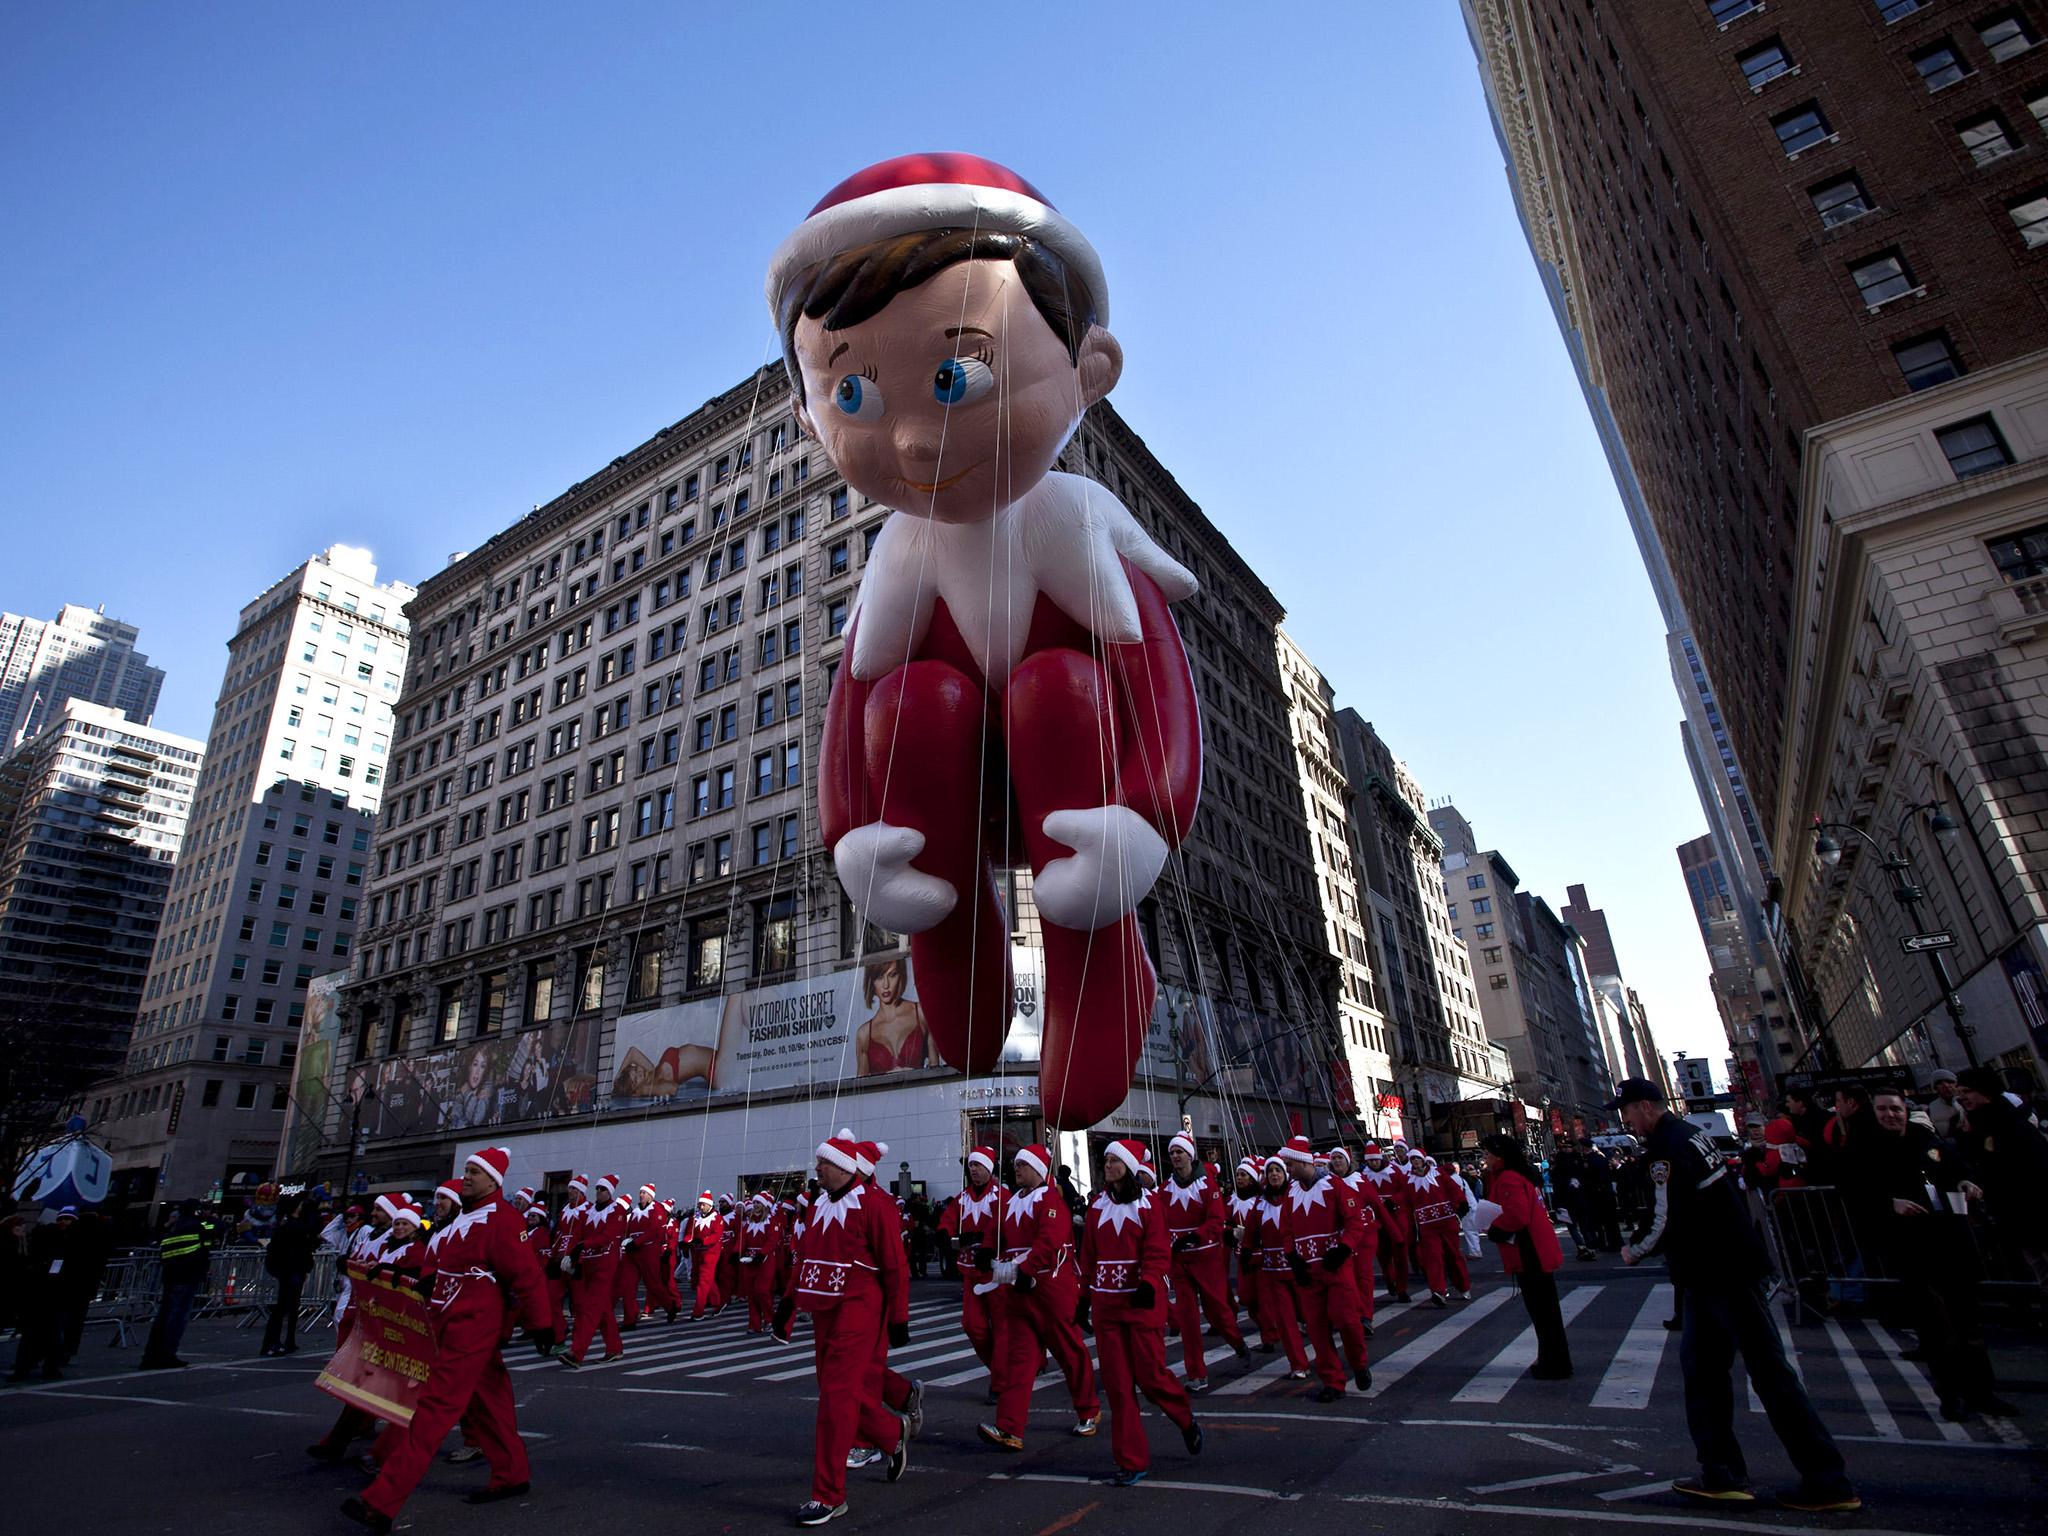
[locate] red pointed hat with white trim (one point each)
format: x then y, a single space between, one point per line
943 190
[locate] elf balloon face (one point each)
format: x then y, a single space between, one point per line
944 329
956 398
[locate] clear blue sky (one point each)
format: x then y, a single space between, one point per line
282 276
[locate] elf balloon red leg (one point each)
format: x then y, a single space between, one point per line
926 727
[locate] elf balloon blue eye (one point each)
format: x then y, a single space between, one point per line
961 379
858 397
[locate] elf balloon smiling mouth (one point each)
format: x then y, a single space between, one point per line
1008 615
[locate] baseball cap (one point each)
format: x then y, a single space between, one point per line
1636 1090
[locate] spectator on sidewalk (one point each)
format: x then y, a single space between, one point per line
92 1248
288 1260
183 1253
1528 1251
13 1268
50 1249
1701 1224
2006 1157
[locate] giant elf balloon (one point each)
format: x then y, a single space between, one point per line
1014 689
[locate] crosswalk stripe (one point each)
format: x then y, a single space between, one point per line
1180 1366
1254 1379
905 1365
1916 1381
1633 1370
733 1361
1405 1359
1881 1419
1500 1373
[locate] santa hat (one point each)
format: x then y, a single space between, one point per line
933 191
536 1213
405 1210
649 1191
390 1205
1251 1165
759 1197
1400 1145
1339 1150
871 1155
1422 1157
1185 1143
984 1156
452 1188
494 1161
1035 1157
525 1195
1321 1160
579 1183
1372 1149
1297 1150
705 1194
1134 1156
609 1183
841 1151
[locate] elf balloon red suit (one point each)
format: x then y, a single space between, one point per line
1013 678
1036 1292
1194 1216
1319 1224
599 1230
849 1275
1435 1201
484 1275
975 1219
1124 1259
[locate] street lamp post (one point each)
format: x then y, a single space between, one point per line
1907 892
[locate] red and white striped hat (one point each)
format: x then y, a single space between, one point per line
1037 1158
495 1161
1186 1143
390 1205
1297 1150
1252 1164
525 1195
1134 1155
452 1188
608 1182
406 1211
983 1156
579 1183
1372 1149
1339 1150
649 1191
705 1194
871 1154
933 191
841 1151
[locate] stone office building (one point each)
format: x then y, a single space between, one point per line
602 929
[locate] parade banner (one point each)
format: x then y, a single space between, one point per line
388 1353
532 1074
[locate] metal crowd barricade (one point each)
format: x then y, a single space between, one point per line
316 1301
236 1283
1823 1261
127 1294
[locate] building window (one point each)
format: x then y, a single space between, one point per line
245 1096
451 1013
643 982
1764 64
1986 138
1882 278
2030 218
1484 931
1482 906
210 1096
1498 981
707 951
1839 201
1725 11
2021 556
1475 882
1801 128
492 1018
540 993
1926 361
1940 65
775 935
1892 10
2005 36
589 978
1973 447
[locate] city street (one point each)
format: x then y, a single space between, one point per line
702 1421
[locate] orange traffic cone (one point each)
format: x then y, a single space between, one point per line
228 1299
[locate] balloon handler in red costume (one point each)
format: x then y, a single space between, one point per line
1014 679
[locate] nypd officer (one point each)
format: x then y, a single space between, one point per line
1699 1223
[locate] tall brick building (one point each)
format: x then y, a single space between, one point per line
1761 225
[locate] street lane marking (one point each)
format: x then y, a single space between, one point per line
1410 1355
1556 1445
1253 1379
1072 1518
674 1392
1916 1381
1171 1484
895 1364
1548 1480
1500 1373
1881 1418
1633 1370
662 1445
1606 1516
1640 1491
1209 1358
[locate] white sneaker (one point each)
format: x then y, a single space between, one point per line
862 1456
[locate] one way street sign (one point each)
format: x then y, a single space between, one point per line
1913 944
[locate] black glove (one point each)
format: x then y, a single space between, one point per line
1299 1265
1081 1311
1025 1283
1143 1295
785 1319
899 1335
1184 1242
542 1340
1334 1257
983 1258
1494 1234
377 1272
